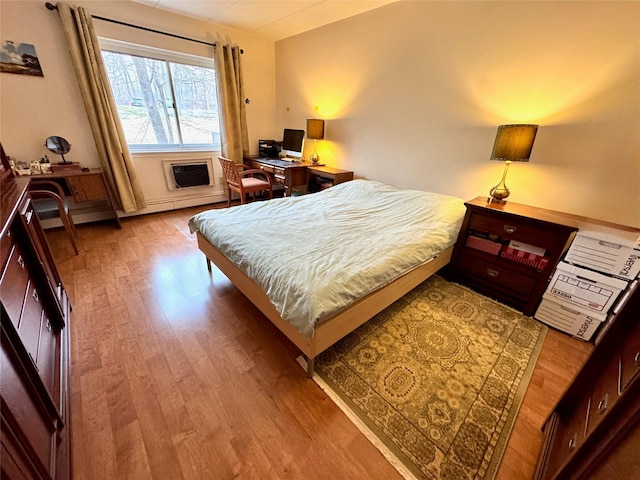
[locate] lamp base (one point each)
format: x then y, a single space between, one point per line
500 192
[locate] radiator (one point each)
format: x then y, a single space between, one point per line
190 175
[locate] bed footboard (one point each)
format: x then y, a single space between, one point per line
341 324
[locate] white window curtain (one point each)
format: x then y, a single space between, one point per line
101 108
234 136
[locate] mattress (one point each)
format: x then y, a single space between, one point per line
314 255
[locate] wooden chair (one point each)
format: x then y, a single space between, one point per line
49 202
241 178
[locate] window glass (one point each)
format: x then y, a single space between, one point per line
163 104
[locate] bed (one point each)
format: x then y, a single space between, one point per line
318 266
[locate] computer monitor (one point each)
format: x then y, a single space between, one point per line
292 143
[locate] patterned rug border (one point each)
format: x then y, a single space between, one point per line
395 457
361 424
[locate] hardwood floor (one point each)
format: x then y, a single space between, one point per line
175 375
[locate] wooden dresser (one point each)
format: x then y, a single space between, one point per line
594 430
34 375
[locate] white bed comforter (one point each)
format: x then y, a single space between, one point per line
314 255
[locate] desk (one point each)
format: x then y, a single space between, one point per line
321 177
84 186
300 175
290 174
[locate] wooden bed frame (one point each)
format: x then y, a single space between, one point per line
329 331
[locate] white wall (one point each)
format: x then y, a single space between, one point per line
33 108
413 93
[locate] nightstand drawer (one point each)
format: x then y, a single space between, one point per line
496 274
512 228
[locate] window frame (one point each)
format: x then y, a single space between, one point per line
154 53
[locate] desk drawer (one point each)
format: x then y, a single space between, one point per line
264 168
87 187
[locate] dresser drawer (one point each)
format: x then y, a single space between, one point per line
630 359
13 285
570 434
604 393
496 274
30 418
513 228
5 247
29 326
48 359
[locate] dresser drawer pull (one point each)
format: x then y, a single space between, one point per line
28 216
492 273
636 359
48 325
572 442
35 295
21 262
602 404
509 228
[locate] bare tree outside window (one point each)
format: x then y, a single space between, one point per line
164 103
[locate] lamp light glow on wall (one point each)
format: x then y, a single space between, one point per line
513 144
315 132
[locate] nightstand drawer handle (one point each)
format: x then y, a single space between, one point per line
636 359
509 228
492 273
572 442
602 404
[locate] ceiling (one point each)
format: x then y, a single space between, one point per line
273 19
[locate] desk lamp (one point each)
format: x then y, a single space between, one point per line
513 144
315 132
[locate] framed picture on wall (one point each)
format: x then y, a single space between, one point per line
21 58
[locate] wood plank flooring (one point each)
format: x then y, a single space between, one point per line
176 375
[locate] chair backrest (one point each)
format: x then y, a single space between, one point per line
230 171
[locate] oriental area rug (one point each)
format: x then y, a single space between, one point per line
436 380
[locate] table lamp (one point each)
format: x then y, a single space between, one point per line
315 132
513 144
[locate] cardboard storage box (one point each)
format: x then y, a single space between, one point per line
606 253
568 319
588 291
526 254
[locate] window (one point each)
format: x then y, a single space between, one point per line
166 100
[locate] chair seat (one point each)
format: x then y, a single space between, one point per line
252 182
48 208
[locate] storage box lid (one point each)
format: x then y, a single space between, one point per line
592 276
614 237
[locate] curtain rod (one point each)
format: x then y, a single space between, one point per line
51 6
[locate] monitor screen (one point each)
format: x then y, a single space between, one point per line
292 143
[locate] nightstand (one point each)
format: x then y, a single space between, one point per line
484 257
